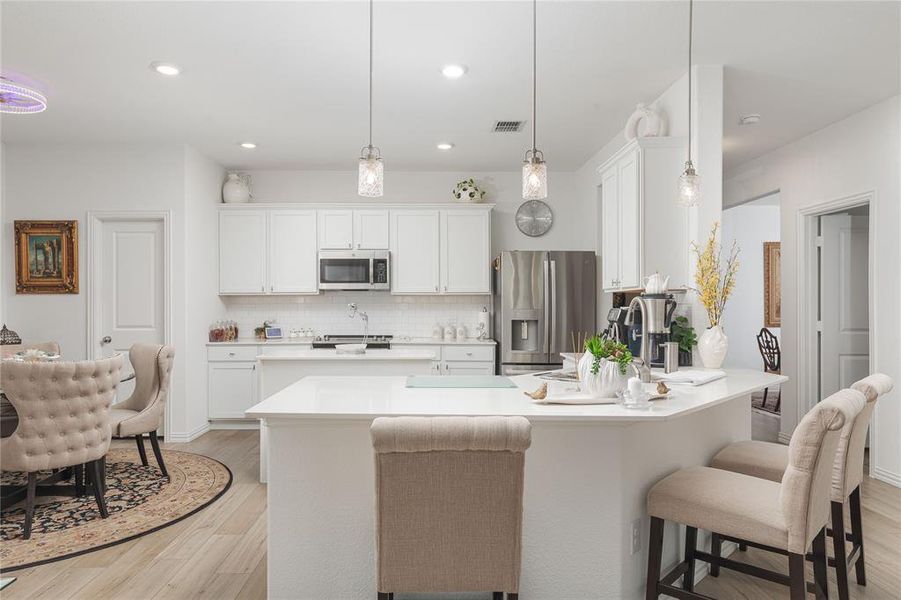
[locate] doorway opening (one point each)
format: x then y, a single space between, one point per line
836 275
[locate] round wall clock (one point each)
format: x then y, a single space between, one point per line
534 218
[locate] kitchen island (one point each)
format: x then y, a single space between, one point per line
587 474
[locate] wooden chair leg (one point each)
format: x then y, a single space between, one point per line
716 549
139 440
840 550
765 392
691 544
497 595
79 479
383 596
743 546
96 473
513 596
798 582
778 408
29 504
655 557
820 565
155 444
857 535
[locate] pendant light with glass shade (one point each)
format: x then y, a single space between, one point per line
371 180
534 169
689 181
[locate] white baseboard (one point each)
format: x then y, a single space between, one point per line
886 476
784 438
702 569
235 424
183 438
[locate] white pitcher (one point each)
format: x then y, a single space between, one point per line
656 284
236 189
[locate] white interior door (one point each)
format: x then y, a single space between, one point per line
844 301
129 290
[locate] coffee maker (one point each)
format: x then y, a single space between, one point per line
616 325
649 328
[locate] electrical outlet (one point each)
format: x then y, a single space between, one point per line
636 536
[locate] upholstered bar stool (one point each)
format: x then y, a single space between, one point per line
143 411
787 517
769 461
449 503
63 411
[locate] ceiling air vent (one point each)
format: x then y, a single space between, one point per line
508 126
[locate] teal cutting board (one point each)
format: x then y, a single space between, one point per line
459 381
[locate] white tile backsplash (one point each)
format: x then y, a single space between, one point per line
326 313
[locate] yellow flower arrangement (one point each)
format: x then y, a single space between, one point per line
715 285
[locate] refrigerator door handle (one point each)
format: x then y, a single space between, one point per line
547 308
552 340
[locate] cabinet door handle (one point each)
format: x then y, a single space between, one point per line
231 353
469 354
436 288
445 288
271 288
358 245
254 368
350 245
263 288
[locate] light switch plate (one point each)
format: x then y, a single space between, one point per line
636 536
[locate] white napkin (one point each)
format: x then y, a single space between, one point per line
691 376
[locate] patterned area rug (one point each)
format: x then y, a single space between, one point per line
139 500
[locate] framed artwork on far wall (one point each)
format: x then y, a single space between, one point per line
46 257
772 284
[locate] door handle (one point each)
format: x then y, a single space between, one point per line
552 342
106 339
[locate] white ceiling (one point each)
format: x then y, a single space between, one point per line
291 76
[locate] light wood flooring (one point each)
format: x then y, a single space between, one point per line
220 553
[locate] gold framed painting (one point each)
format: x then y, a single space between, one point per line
46 257
772 284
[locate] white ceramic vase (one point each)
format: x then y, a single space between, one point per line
236 189
606 383
712 346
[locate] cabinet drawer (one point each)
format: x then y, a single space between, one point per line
229 353
466 353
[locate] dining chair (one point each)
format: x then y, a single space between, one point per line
788 517
63 421
142 413
449 504
769 460
768 345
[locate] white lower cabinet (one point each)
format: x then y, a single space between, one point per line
232 388
459 359
455 367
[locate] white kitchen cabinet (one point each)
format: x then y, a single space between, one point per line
465 252
643 230
468 368
370 229
415 251
336 229
232 388
242 252
293 252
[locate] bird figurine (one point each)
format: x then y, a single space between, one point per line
539 394
662 389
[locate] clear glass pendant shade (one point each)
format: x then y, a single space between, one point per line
371 182
689 187
534 179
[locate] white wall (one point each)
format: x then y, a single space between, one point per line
571 229
56 182
856 155
750 225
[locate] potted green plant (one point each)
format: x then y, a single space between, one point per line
605 367
683 333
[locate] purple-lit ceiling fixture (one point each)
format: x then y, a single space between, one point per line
19 99
689 181
371 170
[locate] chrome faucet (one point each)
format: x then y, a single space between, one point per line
643 365
352 312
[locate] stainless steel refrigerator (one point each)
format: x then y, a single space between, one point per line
542 300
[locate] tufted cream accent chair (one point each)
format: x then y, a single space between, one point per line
143 411
48 347
449 503
63 411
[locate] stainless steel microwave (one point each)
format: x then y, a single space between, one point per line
354 270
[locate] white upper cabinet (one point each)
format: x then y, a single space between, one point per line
293 252
370 229
643 230
242 252
415 251
465 252
336 229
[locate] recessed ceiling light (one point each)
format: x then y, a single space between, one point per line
749 119
248 145
445 146
165 68
453 71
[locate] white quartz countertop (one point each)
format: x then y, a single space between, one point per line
366 397
429 341
299 341
333 355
